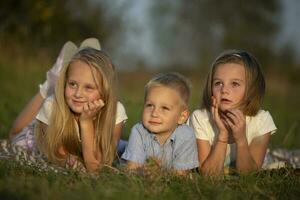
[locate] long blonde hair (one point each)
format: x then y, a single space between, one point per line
61 131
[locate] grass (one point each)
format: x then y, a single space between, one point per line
18 182
19 79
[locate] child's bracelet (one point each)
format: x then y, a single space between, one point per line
222 141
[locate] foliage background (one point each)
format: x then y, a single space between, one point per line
184 36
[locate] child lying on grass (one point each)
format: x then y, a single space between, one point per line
163 135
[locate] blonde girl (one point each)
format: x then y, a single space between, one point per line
80 121
83 113
232 130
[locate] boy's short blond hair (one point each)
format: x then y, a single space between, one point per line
174 81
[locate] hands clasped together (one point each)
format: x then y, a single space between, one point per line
231 123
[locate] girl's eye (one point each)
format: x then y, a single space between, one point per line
90 88
218 83
72 84
165 108
235 84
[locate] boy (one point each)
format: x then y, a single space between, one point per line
163 134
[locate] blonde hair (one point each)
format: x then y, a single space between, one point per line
172 80
255 82
61 131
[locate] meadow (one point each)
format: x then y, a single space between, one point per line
19 79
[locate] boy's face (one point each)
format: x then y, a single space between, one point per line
163 110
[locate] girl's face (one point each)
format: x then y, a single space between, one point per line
80 86
229 85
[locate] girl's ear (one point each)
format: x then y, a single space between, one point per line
183 116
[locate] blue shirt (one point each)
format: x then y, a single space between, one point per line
179 151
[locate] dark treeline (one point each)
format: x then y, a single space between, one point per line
202 28
216 25
49 23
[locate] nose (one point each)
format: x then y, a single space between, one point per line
224 89
154 112
78 92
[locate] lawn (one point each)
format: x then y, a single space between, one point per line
19 80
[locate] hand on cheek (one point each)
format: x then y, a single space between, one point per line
90 109
218 119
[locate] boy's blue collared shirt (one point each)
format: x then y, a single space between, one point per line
179 152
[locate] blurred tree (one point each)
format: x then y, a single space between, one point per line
210 26
248 25
50 23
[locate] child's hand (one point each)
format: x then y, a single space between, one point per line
236 120
90 109
219 120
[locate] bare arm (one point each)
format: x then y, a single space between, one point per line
251 157
211 158
118 132
91 154
26 115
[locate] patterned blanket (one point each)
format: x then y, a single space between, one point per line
37 160
278 158
274 159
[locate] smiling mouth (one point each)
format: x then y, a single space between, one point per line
154 123
78 103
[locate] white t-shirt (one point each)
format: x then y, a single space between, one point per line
45 111
257 125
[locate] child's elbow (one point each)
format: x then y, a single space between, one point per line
92 166
133 165
182 172
207 171
12 133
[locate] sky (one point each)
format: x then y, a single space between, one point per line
290 25
137 43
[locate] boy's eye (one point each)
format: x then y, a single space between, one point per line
148 105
